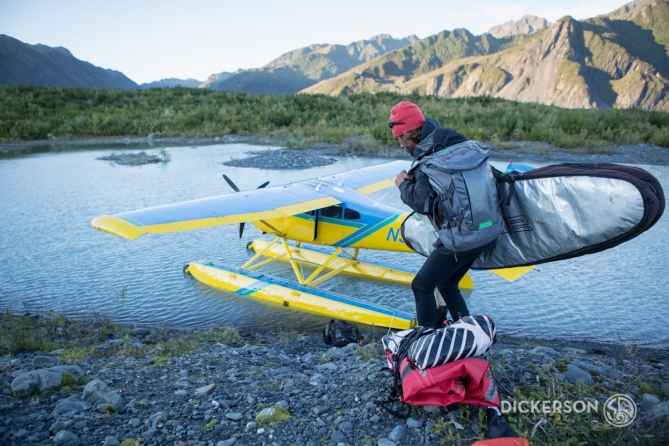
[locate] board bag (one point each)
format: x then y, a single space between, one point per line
559 212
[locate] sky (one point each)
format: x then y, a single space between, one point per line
148 40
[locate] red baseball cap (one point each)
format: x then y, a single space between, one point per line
405 116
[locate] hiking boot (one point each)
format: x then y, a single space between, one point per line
497 425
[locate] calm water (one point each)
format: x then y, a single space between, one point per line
52 259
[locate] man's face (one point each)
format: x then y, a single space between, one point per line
408 146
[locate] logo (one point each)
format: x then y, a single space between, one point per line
620 410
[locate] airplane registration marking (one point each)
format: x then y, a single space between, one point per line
365 232
395 235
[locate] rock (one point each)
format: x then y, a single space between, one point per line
414 423
350 348
181 392
659 365
652 399
234 416
327 366
574 351
397 433
40 362
38 437
386 442
97 390
543 350
111 441
80 425
70 405
309 357
659 410
43 379
346 427
338 437
665 389
206 390
153 420
574 374
63 437
319 410
282 403
57 352
603 370
130 361
228 442
134 422
56 427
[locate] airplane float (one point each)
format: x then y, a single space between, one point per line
329 211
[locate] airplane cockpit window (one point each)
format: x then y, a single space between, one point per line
350 214
331 211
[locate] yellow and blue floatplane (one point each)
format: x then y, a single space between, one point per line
329 211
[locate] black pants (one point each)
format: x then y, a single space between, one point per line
443 272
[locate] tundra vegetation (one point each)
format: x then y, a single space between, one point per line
303 120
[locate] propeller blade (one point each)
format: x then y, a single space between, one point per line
230 183
263 185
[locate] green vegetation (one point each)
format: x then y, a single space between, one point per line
34 113
274 415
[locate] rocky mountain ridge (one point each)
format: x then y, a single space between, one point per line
595 63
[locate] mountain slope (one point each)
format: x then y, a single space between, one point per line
298 69
528 24
22 63
171 83
596 63
390 71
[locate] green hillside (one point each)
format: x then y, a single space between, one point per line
301 68
595 63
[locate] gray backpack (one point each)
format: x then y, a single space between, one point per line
465 211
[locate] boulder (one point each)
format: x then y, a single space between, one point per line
573 374
40 362
43 379
70 405
97 390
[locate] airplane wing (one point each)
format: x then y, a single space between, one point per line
369 179
259 204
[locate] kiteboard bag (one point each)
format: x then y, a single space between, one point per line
560 211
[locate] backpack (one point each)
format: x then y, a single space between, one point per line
465 210
340 333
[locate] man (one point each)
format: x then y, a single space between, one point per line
443 269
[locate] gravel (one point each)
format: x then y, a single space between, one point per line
340 403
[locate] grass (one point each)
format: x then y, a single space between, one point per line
356 123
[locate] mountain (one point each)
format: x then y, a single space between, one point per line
390 71
303 67
215 79
528 24
171 83
625 11
595 63
22 63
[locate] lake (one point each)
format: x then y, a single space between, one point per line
52 259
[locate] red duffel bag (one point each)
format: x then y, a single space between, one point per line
466 381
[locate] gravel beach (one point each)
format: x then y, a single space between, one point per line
130 389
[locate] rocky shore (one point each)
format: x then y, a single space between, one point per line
132 386
522 151
282 159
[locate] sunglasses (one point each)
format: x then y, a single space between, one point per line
392 124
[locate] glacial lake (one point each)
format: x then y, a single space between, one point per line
52 259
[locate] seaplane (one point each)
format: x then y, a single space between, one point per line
332 211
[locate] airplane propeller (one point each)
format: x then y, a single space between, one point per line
236 189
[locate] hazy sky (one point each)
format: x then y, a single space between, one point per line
148 40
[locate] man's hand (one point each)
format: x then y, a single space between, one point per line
401 177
